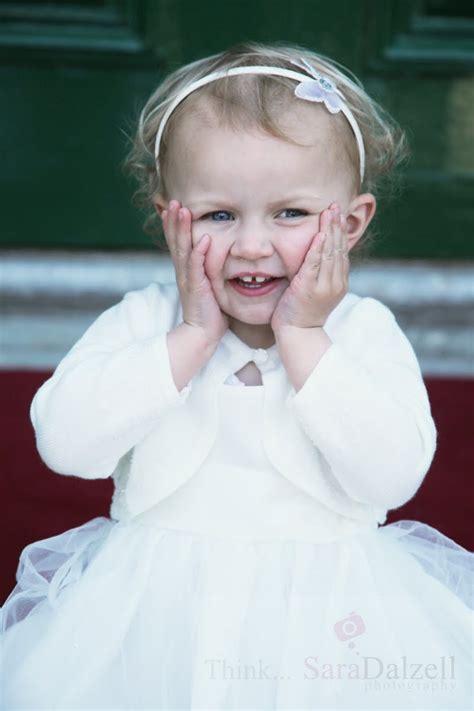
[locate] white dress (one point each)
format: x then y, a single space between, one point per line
239 591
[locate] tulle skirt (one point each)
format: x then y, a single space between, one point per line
121 615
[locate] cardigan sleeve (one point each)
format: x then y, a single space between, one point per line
366 408
109 390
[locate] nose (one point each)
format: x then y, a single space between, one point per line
252 241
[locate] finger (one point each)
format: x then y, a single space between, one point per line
325 221
327 257
196 250
313 259
197 272
188 239
169 227
345 237
183 238
339 272
179 245
345 248
337 232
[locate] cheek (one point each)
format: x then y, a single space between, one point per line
214 260
197 231
295 252
214 257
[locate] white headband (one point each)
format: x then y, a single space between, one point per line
319 89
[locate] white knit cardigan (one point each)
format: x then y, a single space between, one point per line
358 436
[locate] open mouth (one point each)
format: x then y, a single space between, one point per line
256 286
256 282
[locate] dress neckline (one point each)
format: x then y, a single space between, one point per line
233 341
231 386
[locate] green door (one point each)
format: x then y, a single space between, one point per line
74 74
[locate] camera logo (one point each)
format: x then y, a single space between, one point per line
349 627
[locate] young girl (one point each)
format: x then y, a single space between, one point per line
259 420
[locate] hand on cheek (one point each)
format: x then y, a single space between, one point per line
322 280
189 254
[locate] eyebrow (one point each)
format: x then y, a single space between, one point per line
275 203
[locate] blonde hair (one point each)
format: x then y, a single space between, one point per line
256 101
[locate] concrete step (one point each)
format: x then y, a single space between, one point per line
49 298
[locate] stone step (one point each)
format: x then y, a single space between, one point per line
48 299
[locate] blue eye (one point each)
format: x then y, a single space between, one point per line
224 212
293 209
217 212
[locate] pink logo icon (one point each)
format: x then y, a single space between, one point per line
349 627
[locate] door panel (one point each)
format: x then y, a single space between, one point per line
74 75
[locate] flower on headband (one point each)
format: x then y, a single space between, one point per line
319 89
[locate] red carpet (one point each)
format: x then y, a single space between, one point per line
39 503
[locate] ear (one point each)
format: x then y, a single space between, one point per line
358 216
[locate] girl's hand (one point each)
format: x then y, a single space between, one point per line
200 308
322 281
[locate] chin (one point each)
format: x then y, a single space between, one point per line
255 321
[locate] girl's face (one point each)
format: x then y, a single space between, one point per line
259 198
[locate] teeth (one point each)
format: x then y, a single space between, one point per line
249 279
